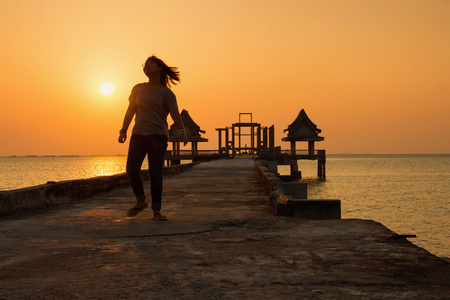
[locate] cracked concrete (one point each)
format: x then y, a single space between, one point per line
222 241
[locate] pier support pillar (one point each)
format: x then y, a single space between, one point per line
293 150
174 162
220 141
294 168
271 139
258 140
194 148
233 140
227 141
311 148
321 164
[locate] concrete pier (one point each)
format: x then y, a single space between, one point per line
223 240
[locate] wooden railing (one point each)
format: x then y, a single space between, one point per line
189 152
298 153
276 153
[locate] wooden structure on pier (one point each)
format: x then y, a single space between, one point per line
304 130
248 137
193 133
260 139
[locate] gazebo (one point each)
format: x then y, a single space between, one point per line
303 130
192 131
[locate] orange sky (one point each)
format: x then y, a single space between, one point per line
373 75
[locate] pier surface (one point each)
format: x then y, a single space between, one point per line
222 241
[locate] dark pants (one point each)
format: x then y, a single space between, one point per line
154 146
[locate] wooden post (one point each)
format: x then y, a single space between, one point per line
272 139
220 140
258 140
321 164
194 148
240 146
294 168
311 148
233 140
264 139
227 140
319 168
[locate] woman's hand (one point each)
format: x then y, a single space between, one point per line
122 137
131 110
184 138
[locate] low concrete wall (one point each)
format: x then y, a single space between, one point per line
289 199
297 190
269 180
46 195
273 187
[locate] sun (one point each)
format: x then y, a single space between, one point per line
107 88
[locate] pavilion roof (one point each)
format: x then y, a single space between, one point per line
192 129
302 129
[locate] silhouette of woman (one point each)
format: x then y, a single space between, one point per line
151 102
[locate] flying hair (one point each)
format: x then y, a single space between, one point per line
169 75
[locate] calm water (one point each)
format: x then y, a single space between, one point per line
407 193
23 171
410 194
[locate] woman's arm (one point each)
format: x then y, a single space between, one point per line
127 120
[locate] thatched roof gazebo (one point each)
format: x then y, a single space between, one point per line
303 129
192 131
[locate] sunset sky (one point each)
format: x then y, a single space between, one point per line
374 75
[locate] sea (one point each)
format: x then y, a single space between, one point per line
409 194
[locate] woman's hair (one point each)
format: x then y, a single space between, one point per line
169 75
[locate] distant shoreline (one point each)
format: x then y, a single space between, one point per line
328 154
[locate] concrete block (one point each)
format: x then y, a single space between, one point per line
297 174
316 209
272 166
297 190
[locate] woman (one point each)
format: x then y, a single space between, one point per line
151 101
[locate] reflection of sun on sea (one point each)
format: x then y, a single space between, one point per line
106 88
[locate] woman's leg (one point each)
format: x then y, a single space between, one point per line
157 151
136 155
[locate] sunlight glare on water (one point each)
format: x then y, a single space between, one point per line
20 172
